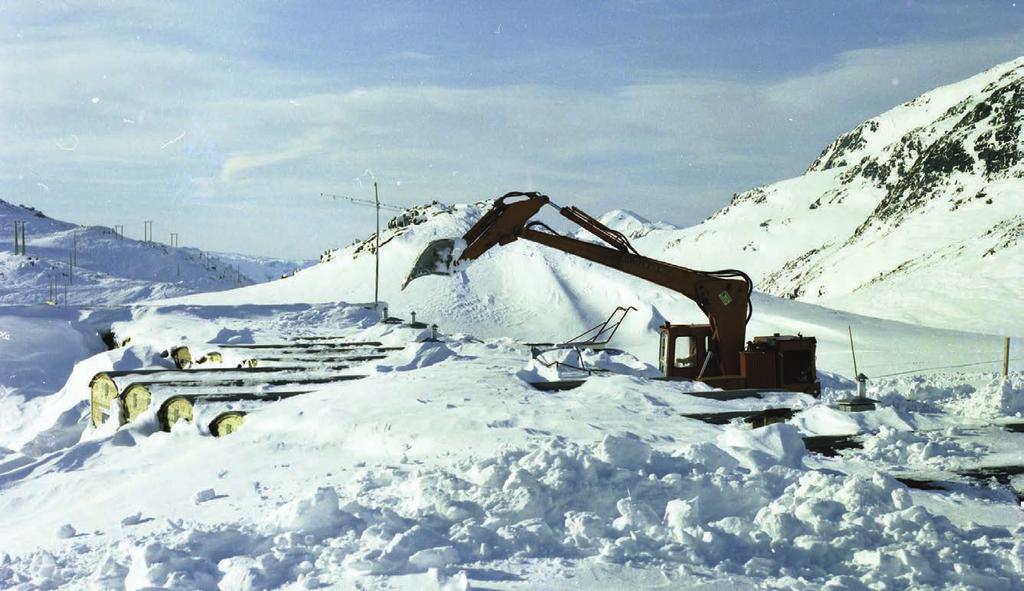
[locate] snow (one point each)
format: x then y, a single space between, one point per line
443 468
110 270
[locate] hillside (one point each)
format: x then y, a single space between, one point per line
914 215
109 269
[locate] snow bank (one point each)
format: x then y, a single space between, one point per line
616 502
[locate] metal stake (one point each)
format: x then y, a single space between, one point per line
376 257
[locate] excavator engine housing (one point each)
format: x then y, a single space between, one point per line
780 361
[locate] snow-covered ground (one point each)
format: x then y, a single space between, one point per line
444 468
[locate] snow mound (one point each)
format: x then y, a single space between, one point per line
1000 397
561 500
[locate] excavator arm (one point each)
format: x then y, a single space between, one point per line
723 296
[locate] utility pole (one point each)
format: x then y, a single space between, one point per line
74 247
378 206
376 249
19 224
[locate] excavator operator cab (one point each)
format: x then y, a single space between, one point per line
683 352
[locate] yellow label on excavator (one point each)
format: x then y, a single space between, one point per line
725 297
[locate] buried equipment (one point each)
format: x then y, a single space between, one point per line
182 407
714 353
226 423
106 386
139 396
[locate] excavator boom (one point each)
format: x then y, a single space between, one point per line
723 296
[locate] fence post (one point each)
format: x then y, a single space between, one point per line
1006 357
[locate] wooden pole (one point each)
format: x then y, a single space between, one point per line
23 244
16 238
1006 357
853 352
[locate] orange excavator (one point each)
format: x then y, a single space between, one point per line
714 353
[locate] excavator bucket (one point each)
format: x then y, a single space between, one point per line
436 259
500 225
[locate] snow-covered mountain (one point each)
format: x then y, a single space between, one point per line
914 215
261 269
108 269
631 224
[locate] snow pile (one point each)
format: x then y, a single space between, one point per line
906 448
999 397
745 507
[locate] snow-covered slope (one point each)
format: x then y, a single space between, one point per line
914 215
108 269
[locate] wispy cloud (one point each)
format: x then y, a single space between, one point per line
182 127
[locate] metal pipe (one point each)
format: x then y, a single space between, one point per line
376 254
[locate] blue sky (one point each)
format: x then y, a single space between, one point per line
223 121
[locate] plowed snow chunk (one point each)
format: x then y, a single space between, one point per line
156 565
759 449
204 495
623 452
317 514
66 531
434 557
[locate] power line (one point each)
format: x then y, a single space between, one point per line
364 202
924 369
